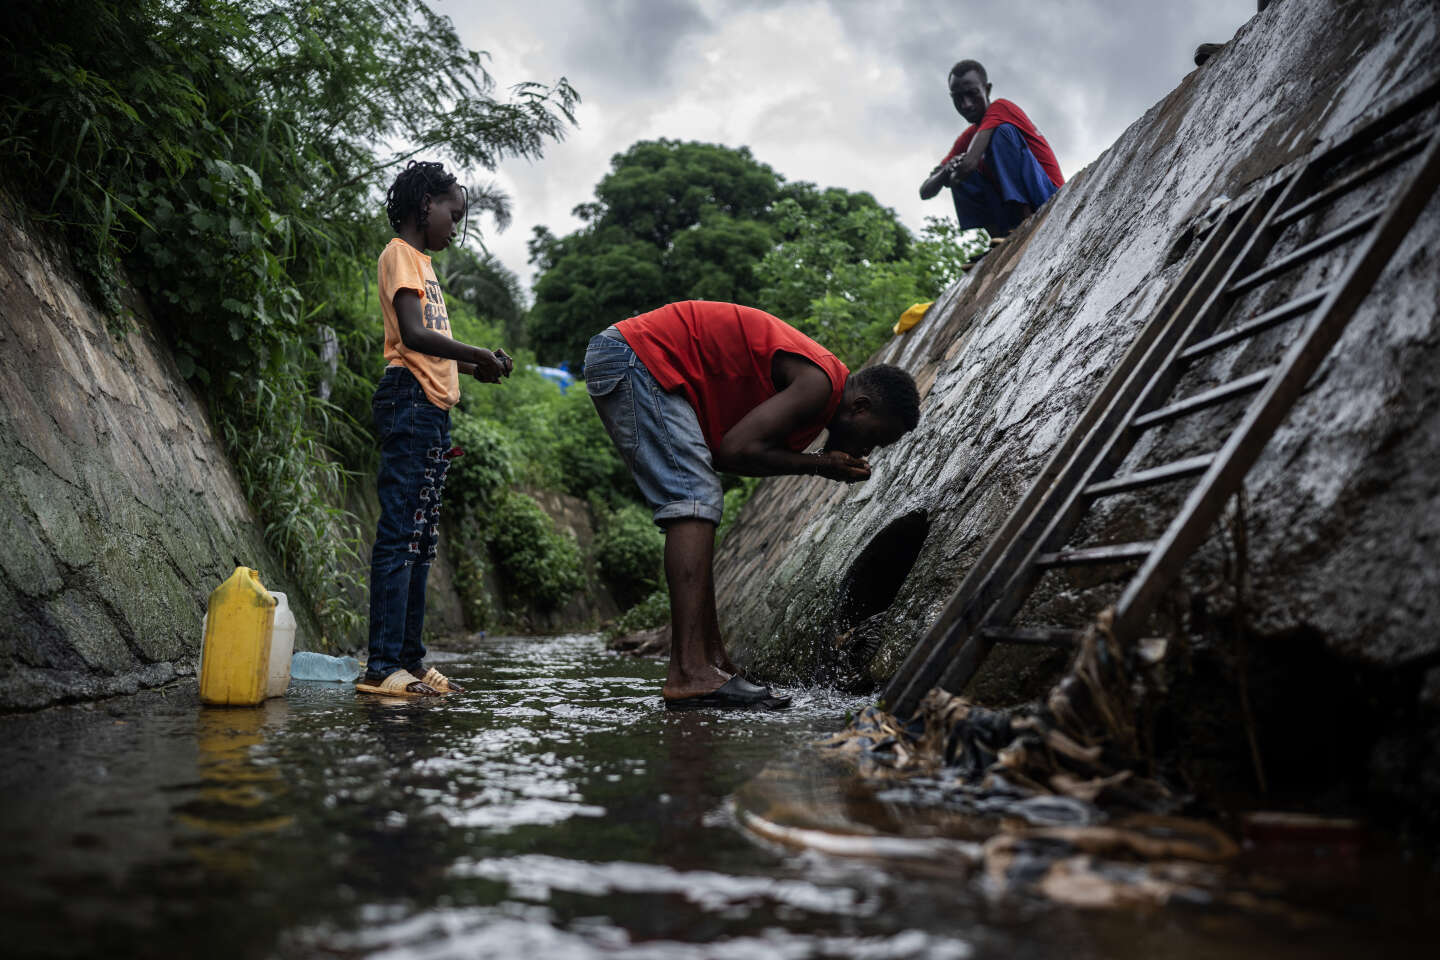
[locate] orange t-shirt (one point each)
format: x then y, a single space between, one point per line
402 267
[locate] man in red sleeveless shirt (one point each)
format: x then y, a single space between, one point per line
1000 169
698 387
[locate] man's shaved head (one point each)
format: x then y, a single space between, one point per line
879 406
965 66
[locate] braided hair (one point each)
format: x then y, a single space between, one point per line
407 194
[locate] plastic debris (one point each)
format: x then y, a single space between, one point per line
911 316
317 666
560 376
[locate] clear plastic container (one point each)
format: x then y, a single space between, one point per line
282 645
317 666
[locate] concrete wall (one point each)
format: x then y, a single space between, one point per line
121 511
1344 506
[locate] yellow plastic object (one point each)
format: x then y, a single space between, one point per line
235 790
912 316
236 654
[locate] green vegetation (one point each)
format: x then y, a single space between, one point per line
697 221
845 268
670 221
282 438
630 551
228 159
523 435
539 565
653 611
227 156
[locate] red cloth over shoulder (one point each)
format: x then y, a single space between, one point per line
719 356
1003 111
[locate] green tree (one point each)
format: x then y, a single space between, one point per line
229 153
846 268
488 286
822 234
599 277
670 221
680 221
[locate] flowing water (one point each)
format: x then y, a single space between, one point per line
552 810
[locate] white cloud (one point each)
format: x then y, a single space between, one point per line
847 94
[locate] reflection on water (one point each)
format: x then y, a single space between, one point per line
553 810
238 796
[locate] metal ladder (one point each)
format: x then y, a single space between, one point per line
1137 398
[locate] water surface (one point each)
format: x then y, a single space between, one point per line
554 809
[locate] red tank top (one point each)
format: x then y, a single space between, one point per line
719 355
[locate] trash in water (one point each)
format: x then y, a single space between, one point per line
317 666
1058 786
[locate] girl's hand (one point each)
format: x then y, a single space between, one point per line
505 360
488 367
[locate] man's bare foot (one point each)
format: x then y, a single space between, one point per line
737 693
708 680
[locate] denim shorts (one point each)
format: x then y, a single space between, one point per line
657 433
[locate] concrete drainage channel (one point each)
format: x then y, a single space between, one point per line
866 593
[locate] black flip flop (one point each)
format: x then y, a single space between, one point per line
737 693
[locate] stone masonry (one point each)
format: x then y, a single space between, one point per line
1344 505
121 510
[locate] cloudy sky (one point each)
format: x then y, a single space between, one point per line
847 93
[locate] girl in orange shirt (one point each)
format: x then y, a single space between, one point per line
412 419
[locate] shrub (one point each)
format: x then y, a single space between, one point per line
282 436
472 561
539 565
478 481
653 611
586 456
523 405
629 550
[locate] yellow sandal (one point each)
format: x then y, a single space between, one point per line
399 684
441 682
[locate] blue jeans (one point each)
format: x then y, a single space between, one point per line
657 433
1012 176
414 455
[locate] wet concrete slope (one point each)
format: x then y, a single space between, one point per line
121 510
1342 517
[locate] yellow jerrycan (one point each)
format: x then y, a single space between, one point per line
236 654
